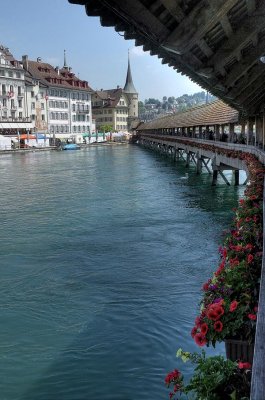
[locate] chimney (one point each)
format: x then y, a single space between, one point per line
25 62
57 69
39 59
118 86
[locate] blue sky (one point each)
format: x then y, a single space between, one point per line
99 55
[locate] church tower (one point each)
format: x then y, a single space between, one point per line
132 96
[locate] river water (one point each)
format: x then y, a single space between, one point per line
103 254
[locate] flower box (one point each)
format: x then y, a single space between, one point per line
239 350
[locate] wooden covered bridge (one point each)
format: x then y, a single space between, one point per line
185 134
220 45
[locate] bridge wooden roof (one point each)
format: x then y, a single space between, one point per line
215 113
217 43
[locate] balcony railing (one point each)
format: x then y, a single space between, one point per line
17 119
81 111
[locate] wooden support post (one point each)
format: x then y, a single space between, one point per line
215 175
224 177
245 181
231 133
188 159
217 132
199 165
193 158
181 152
250 132
205 163
259 130
236 173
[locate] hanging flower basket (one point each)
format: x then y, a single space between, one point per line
239 350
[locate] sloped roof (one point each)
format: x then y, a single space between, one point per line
49 76
129 86
111 97
215 113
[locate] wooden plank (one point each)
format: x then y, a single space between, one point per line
241 68
258 370
205 17
174 9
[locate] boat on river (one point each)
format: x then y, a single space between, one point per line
70 146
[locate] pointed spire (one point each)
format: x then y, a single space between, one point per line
129 86
64 57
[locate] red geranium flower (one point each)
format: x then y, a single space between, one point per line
253 317
250 258
218 326
233 306
215 311
204 328
244 365
200 340
193 331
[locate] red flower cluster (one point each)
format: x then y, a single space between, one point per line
175 378
244 365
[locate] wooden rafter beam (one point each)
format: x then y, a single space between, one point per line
203 17
174 9
247 80
242 67
138 17
253 90
247 32
251 6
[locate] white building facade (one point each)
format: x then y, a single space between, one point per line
13 115
60 100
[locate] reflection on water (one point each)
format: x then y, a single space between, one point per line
103 253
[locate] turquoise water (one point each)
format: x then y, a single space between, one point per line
103 253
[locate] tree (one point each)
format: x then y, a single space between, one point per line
106 128
171 100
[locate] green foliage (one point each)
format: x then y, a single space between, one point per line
214 378
106 128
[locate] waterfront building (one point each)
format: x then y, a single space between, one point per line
118 107
64 100
14 119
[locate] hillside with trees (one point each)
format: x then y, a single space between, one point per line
153 108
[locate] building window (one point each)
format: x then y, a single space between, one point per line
42 117
10 74
33 106
19 103
32 94
4 102
18 75
3 89
33 117
2 72
42 106
20 115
